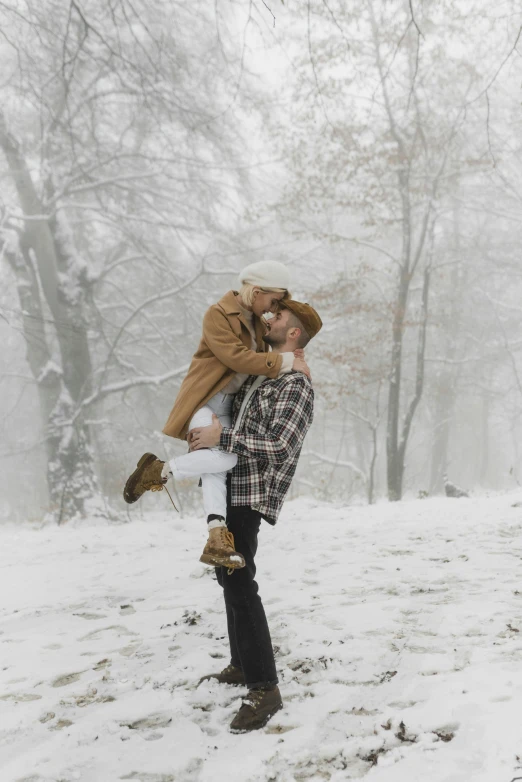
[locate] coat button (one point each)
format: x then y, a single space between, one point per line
269 363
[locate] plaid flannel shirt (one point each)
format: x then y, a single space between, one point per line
268 441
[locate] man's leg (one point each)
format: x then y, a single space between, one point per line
249 636
248 631
221 575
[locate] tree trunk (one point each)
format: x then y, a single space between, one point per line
47 375
394 466
371 472
71 476
446 388
439 453
397 450
484 449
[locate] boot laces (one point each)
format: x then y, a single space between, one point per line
152 486
226 536
254 698
155 485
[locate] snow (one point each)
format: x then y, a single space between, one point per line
397 630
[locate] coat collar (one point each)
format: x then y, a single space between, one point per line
229 303
230 306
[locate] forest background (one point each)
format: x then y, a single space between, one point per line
149 150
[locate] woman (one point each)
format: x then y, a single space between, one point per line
230 350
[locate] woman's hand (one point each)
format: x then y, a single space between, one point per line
300 365
299 353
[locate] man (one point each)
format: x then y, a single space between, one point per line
271 419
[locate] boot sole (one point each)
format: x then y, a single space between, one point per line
221 562
129 494
261 724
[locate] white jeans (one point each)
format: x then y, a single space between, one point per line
209 463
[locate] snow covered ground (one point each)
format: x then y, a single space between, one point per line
398 635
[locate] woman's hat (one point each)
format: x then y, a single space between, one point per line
266 274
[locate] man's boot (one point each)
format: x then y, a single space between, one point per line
219 550
146 477
229 675
257 708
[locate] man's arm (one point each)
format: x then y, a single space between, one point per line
290 420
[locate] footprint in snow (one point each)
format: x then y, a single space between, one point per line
91 696
130 650
102 664
403 705
20 697
143 776
201 719
153 736
146 723
61 724
68 678
277 729
95 635
90 616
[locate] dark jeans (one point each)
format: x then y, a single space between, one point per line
248 633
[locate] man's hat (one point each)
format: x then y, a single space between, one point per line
306 314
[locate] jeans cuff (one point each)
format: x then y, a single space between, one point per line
263 685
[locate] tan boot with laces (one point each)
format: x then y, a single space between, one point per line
146 477
220 552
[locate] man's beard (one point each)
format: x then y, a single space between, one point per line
273 341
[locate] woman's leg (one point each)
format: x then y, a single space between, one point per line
207 460
197 463
211 464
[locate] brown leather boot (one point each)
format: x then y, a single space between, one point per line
219 550
257 708
229 675
146 477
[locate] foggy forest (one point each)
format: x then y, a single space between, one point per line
148 151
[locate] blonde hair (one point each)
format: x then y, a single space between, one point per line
247 292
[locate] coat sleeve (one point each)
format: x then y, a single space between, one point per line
228 348
290 420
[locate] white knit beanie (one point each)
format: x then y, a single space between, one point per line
265 274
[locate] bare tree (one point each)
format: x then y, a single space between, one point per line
122 174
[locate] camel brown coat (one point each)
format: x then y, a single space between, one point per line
224 350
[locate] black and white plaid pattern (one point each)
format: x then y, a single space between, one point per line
268 441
